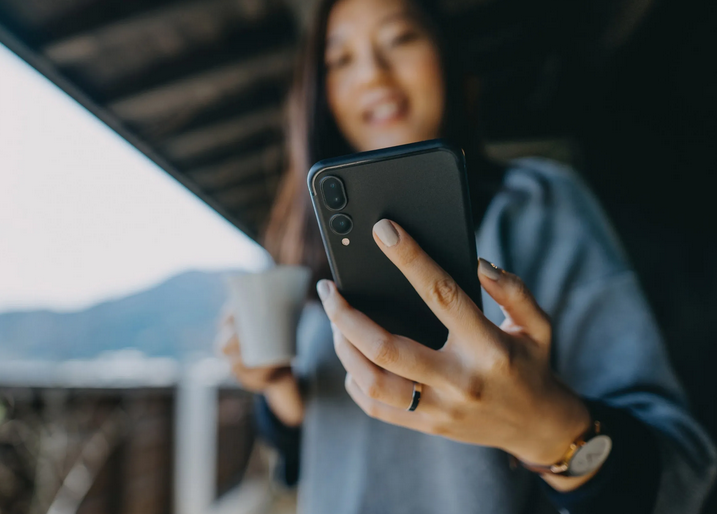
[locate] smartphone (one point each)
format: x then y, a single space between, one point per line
424 188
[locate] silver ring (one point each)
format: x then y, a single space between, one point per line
417 389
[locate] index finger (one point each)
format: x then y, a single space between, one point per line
399 355
451 305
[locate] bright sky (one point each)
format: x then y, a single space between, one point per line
85 217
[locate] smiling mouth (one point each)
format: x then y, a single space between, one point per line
386 112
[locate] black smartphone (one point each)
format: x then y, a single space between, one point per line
424 188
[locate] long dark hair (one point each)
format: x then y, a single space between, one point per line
292 235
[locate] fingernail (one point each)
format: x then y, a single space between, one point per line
386 232
489 270
324 289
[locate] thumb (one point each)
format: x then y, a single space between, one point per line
516 301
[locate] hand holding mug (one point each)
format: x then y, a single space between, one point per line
258 334
254 379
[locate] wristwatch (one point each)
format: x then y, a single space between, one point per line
586 454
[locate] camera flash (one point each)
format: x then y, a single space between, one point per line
345 241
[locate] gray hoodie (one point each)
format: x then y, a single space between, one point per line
546 227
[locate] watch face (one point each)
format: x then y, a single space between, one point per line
590 456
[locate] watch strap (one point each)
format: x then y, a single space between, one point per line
562 466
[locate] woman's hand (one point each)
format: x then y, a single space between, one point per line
277 383
488 385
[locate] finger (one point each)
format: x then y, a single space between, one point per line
451 305
516 301
232 348
226 317
374 382
227 342
414 420
399 355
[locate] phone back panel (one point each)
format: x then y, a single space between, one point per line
423 187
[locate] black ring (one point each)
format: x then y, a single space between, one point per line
415 399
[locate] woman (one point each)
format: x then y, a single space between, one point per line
514 381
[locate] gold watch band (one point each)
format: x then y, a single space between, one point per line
561 467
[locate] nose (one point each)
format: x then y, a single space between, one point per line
373 67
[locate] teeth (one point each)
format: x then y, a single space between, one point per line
385 111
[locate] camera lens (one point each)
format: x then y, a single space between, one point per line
334 194
341 224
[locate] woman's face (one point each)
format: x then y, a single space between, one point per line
384 77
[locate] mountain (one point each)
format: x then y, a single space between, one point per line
175 318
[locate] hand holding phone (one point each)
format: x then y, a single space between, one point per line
424 188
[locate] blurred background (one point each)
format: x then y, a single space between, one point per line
140 150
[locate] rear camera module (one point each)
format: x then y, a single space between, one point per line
332 189
341 224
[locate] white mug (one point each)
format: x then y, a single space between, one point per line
266 308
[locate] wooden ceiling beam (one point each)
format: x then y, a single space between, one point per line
164 45
160 109
242 197
209 139
45 67
43 21
257 218
238 171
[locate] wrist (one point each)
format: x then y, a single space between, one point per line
284 399
581 462
567 418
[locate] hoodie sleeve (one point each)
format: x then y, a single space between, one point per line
606 345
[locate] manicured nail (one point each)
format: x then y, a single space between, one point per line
386 232
489 270
324 289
